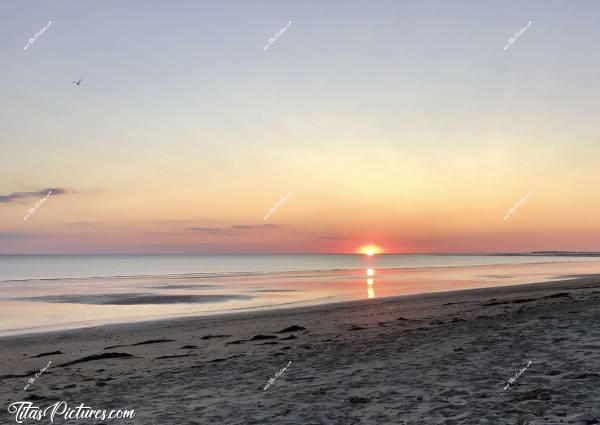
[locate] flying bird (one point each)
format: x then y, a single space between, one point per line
78 82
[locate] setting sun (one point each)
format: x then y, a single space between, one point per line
370 250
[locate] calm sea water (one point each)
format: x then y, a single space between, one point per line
54 292
22 267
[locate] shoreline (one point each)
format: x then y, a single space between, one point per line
256 314
434 358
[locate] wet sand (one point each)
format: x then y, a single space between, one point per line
439 358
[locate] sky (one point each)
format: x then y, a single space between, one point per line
403 124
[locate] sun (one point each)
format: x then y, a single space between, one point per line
370 250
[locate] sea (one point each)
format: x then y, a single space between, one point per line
41 293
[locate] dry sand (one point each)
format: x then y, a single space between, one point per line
440 358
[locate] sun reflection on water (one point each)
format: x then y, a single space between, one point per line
370 292
370 283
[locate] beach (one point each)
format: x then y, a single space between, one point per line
437 358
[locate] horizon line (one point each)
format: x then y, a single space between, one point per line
320 253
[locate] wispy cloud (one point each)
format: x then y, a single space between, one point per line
18 196
254 226
335 238
211 230
16 235
231 229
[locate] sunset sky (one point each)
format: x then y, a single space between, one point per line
404 124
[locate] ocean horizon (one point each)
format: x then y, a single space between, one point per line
53 266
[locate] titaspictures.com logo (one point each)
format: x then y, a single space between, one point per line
26 410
